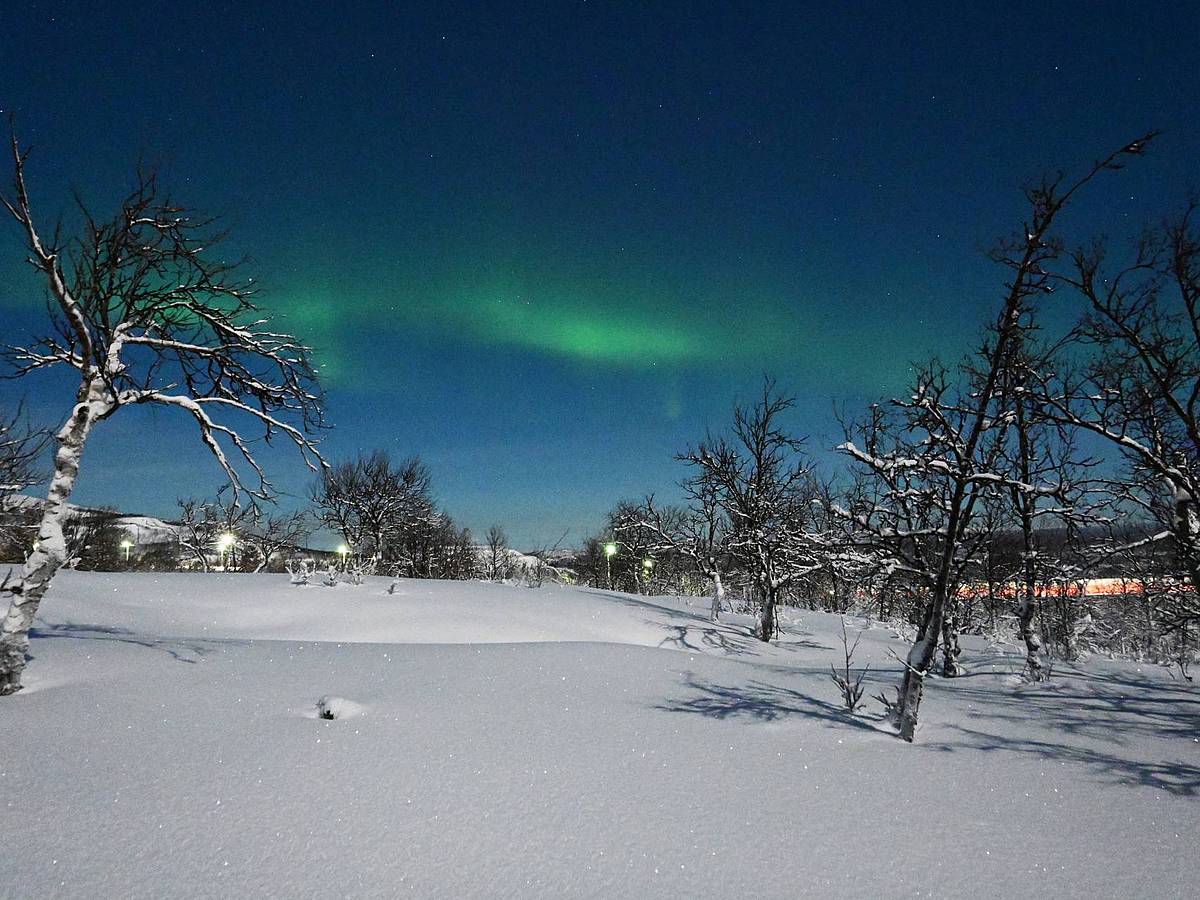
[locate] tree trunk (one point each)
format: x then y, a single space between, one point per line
718 597
50 553
1027 507
918 663
767 621
1033 644
1025 613
950 646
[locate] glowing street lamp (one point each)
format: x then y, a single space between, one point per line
225 544
127 545
610 550
343 552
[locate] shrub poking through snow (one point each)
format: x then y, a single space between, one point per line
850 684
301 570
331 707
359 570
331 576
891 705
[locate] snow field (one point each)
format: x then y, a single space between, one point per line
559 742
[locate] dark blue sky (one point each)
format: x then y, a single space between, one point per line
547 246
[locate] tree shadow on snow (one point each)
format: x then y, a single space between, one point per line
758 701
182 651
1179 778
787 643
1102 707
1109 717
700 633
629 600
701 639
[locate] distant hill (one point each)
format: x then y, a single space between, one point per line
142 530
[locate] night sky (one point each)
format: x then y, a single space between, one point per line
547 246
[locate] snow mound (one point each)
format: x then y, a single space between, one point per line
268 607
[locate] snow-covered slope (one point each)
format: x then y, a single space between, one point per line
418 612
142 530
509 742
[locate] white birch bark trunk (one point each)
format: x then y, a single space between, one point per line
718 597
50 552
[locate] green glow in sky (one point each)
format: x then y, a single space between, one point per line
620 327
608 335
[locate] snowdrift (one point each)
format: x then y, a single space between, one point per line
496 741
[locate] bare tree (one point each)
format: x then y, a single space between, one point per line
275 535
144 313
632 564
1038 451
849 684
917 507
21 448
370 502
497 563
1140 392
947 440
201 524
766 492
265 534
93 540
536 572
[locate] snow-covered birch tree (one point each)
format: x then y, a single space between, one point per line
1140 391
1037 451
636 543
145 311
764 487
945 439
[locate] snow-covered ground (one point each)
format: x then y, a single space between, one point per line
560 742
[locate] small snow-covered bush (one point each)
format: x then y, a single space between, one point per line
360 569
301 570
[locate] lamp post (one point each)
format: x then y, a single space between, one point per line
126 545
225 544
343 552
610 550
